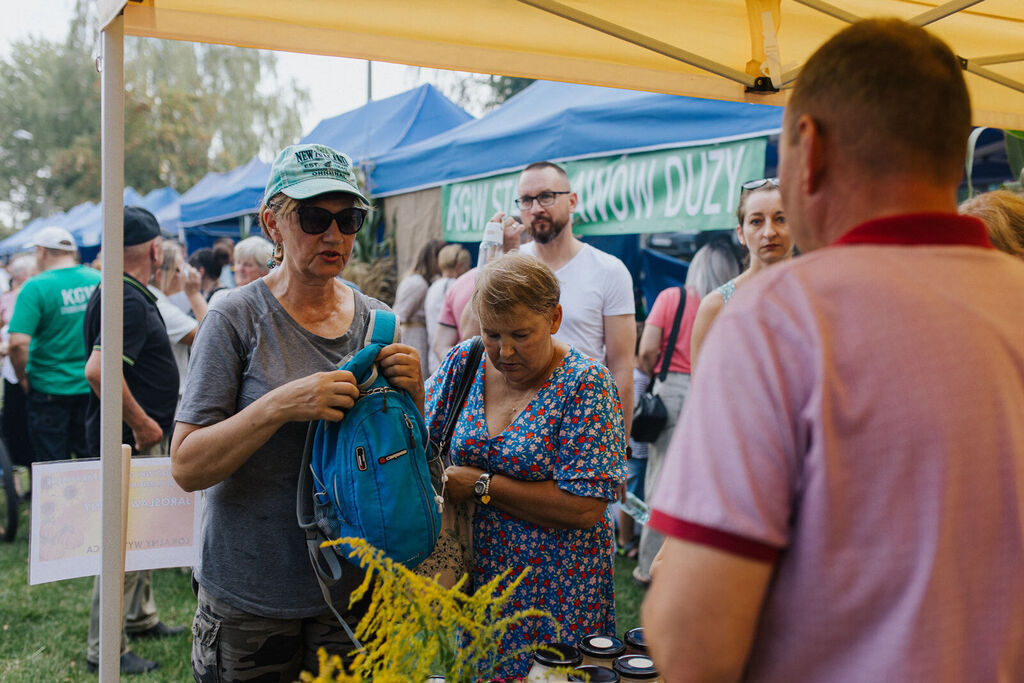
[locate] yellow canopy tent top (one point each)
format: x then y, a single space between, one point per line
701 48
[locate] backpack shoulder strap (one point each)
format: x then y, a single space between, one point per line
382 328
326 566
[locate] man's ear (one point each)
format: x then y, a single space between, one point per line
813 150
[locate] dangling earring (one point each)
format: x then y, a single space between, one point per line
278 255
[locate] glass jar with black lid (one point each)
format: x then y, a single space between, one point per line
594 674
636 643
549 658
635 669
601 650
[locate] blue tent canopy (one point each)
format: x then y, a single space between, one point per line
563 121
84 221
383 125
19 240
165 205
375 128
219 196
87 226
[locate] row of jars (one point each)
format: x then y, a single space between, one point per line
598 658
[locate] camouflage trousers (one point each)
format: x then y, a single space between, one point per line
230 644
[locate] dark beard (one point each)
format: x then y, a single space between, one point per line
547 236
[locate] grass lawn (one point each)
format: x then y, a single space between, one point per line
44 627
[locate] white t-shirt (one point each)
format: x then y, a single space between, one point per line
594 285
178 324
432 308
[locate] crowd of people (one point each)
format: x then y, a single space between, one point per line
835 494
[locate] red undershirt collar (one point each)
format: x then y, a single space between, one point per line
920 229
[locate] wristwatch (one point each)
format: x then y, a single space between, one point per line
482 488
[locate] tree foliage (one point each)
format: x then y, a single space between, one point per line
505 87
480 93
189 109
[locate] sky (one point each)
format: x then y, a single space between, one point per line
335 84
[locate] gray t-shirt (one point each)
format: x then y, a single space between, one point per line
253 553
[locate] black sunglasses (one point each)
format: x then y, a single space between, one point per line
315 220
760 182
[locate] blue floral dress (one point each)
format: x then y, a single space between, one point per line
571 432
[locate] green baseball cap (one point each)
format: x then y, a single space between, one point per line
304 171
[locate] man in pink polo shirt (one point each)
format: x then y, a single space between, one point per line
844 496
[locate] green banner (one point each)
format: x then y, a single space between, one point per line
689 188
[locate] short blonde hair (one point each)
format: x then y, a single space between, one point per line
452 256
511 280
1002 212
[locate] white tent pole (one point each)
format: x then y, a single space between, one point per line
993 76
111 324
831 10
941 12
998 59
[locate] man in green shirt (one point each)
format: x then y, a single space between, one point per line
46 346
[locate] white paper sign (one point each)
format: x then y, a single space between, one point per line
163 520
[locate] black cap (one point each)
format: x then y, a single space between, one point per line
139 226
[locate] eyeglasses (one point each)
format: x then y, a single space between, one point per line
315 220
544 199
760 182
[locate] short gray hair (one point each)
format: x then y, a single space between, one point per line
23 266
255 249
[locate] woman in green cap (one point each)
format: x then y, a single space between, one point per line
263 364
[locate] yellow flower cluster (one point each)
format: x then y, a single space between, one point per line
415 628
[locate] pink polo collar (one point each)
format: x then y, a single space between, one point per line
920 229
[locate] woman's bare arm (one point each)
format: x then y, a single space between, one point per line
204 456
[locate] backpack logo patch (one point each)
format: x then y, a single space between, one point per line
384 459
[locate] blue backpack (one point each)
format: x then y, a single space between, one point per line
369 474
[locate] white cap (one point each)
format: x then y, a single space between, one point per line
53 237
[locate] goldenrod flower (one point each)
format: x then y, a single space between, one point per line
415 628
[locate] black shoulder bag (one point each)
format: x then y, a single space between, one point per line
649 414
454 409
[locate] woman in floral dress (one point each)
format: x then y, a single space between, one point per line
540 447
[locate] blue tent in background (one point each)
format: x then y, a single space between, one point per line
218 204
165 205
384 125
225 196
562 121
84 221
18 240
